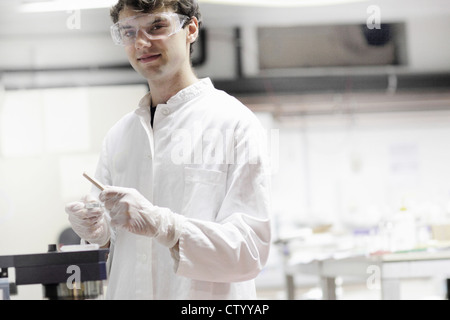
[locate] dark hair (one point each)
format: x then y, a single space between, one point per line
188 8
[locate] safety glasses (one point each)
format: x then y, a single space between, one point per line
155 26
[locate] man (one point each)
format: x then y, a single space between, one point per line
187 202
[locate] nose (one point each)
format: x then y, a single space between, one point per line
142 41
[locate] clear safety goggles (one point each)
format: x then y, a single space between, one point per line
155 26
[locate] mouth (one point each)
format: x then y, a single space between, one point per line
148 58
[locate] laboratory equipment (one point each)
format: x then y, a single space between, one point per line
74 274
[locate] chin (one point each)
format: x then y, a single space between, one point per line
148 72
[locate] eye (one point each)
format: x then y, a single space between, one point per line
157 26
128 33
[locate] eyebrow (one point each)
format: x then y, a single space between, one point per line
125 27
157 20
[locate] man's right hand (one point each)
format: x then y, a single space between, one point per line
89 222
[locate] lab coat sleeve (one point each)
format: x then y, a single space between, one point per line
235 247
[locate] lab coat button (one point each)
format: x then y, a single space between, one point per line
165 111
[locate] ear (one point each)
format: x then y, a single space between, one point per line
192 28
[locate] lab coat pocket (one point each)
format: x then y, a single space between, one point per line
204 191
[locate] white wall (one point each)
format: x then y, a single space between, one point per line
47 139
428 45
353 172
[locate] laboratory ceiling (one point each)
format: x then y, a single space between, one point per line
31 41
217 13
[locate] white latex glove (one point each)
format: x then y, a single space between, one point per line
89 224
130 210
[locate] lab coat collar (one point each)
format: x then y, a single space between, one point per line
181 97
191 92
144 106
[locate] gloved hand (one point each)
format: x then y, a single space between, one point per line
131 210
89 223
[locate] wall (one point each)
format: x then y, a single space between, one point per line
47 139
354 172
428 47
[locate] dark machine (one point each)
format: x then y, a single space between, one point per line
72 275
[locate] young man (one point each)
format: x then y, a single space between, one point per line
187 202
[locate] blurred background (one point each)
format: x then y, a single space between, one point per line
355 97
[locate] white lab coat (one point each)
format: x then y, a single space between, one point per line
204 159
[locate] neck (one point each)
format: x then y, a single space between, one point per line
163 89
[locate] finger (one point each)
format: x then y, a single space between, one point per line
89 198
78 212
119 220
108 193
110 197
111 203
115 211
94 213
85 221
119 214
77 219
74 207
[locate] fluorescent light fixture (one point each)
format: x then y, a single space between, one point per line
282 3
65 5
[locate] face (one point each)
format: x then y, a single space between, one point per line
163 58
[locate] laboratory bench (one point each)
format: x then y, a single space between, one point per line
382 271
